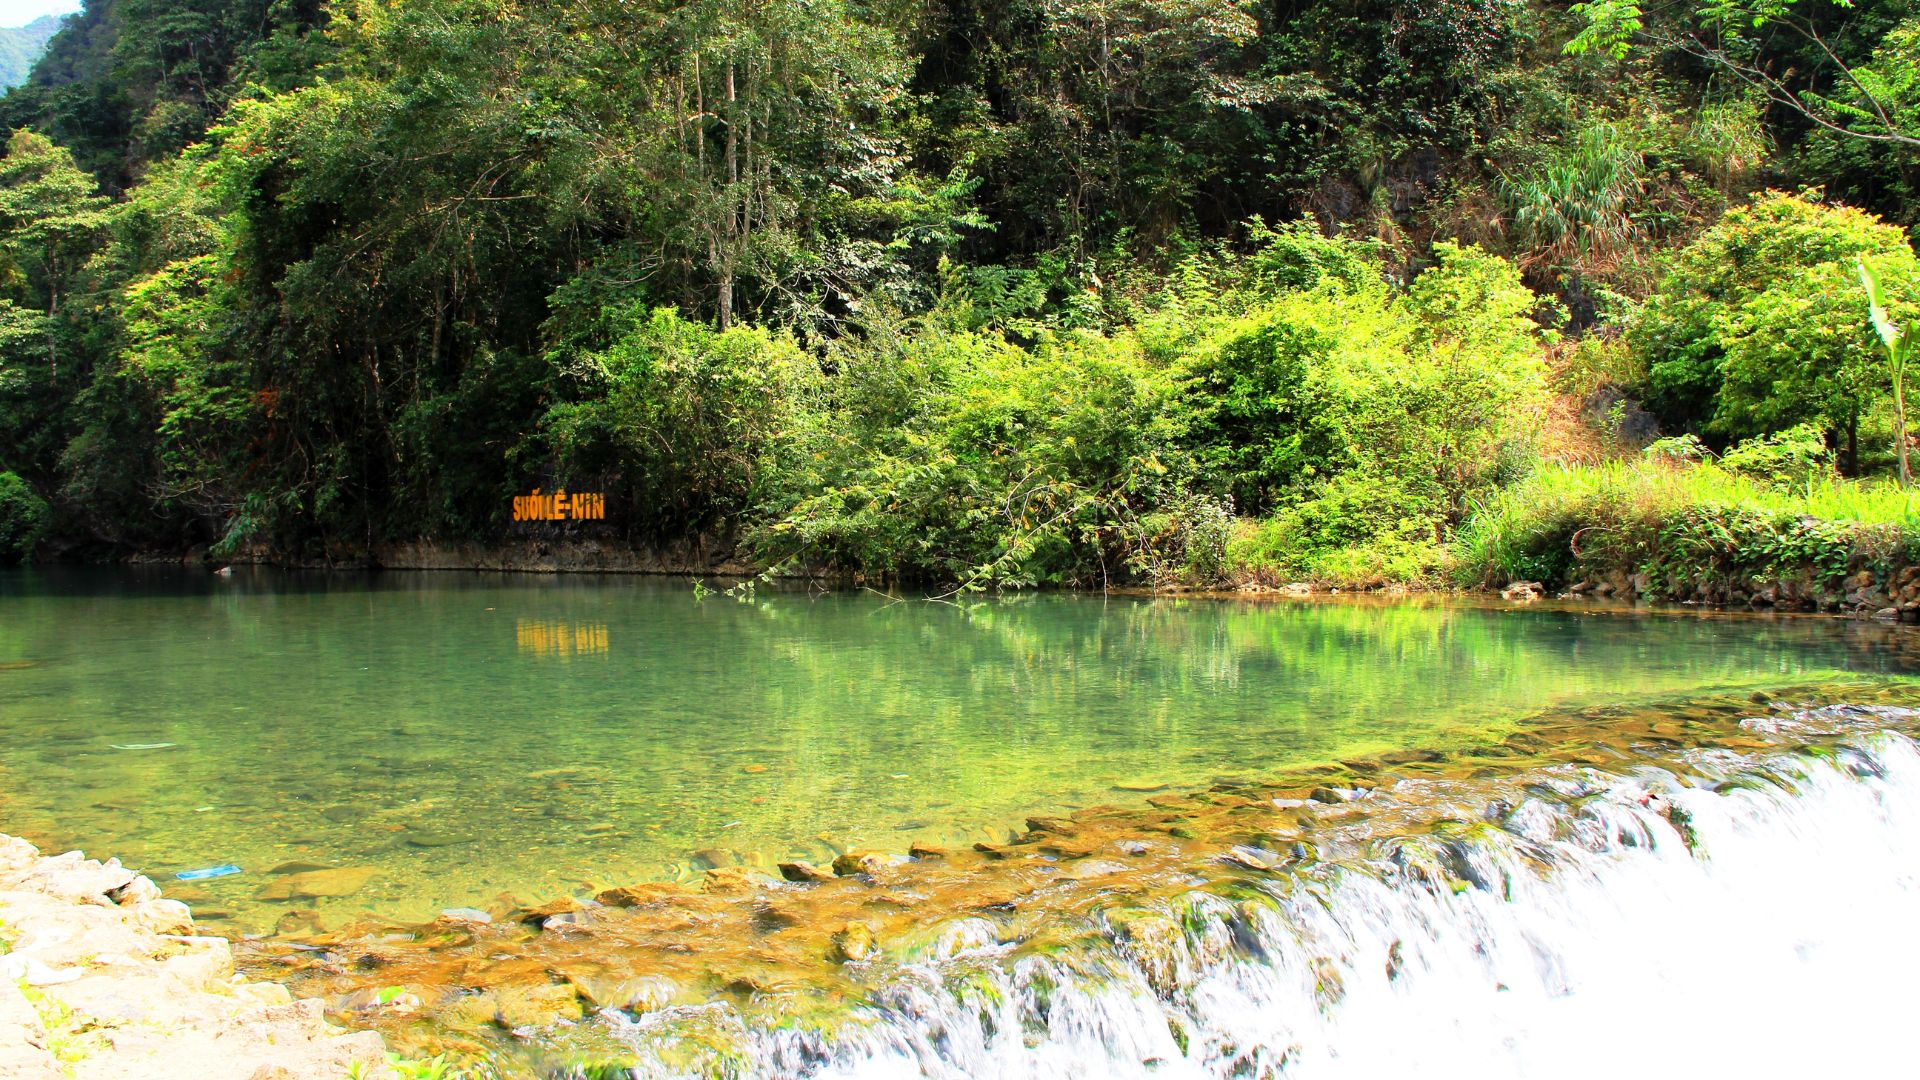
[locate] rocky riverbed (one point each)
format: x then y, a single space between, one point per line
751 973
103 977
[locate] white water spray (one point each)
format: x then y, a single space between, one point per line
1579 938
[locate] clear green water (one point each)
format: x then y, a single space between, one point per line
466 735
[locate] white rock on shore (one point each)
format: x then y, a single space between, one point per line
100 977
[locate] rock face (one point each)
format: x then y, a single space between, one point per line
101 977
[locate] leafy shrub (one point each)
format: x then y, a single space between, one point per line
1262 391
1188 542
1425 385
1356 532
23 518
686 425
957 457
1757 325
1597 360
1798 352
1797 455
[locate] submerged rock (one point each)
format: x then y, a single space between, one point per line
1057 826
1249 858
540 914
298 866
1336 795
318 884
521 1006
729 879
626 896
853 942
864 862
802 871
615 990
466 914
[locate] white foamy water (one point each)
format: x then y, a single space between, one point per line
1578 937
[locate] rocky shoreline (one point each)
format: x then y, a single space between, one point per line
102 978
1886 593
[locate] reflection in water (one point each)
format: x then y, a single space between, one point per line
385 722
560 639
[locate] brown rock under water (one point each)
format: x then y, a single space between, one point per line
317 884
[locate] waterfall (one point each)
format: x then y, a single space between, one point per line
1747 916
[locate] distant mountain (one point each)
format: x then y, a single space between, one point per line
20 46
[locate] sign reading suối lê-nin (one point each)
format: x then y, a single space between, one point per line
562 505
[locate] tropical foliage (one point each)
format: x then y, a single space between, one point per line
975 294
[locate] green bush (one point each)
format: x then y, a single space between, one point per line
1426 385
1798 455
1305 387
23 518
686 427
1356 533
957 457
1758 325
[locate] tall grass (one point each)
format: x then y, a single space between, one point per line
1576 209
1683 521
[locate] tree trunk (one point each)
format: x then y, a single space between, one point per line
732 205
1900 425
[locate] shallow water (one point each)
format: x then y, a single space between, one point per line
464 734
1717 885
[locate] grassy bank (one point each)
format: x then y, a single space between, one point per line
1689 531
1652 526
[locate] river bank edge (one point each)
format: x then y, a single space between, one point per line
1882 588
102 977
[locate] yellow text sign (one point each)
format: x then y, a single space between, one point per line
562 505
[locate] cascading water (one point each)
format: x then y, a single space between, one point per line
1750 915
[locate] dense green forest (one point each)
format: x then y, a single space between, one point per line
990 292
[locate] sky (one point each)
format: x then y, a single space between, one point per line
22 12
